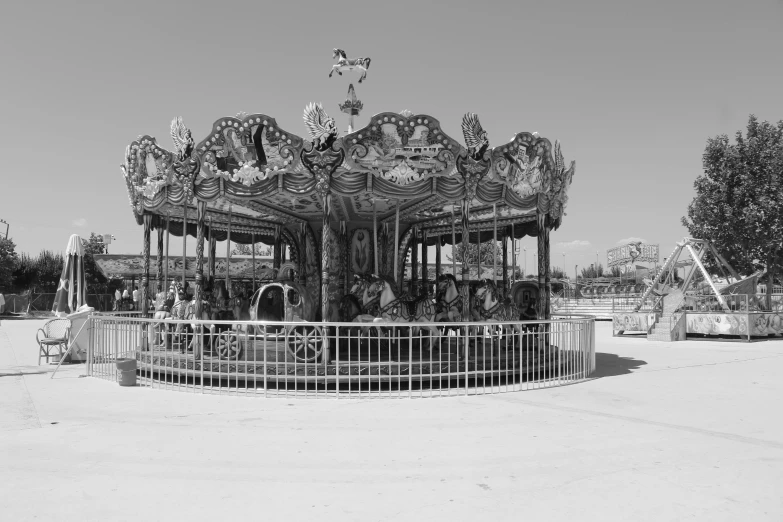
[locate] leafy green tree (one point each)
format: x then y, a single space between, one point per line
739 199
8 260
593 271
96 281
48 268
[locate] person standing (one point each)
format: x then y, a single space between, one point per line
136 298
117 299
2 303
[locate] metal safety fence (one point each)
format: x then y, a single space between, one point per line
345 360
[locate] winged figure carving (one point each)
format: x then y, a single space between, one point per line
321 127
475 136
183 141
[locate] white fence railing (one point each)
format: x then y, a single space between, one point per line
345 360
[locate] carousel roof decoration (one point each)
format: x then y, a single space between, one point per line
398 160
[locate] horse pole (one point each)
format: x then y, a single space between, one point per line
375 234
495 244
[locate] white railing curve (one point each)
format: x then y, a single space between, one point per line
351 360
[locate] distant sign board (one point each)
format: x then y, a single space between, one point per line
631 253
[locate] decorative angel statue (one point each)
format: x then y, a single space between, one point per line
183 141
322 128
475 136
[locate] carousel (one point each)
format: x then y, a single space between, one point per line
356 213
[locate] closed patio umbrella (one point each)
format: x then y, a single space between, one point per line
71 292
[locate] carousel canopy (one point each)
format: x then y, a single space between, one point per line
255 175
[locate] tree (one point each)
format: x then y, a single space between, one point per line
8 260
94 245
739 199
486 253
49 268
94 278
244 250
593 271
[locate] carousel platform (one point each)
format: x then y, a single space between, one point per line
273 366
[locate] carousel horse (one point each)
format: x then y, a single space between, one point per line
185 310
448 304
357 306
399 310
163 304
490 308
344 64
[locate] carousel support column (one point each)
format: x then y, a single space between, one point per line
184 240
145 280
504 242
253 253
159 258
345 257
453 245
495 245
168 234
302 253
414 262
438 268
276 255
228 254
513 256
425 288
376 246
464 289
326 254
198 293
397 245
548 283
478 254
212 251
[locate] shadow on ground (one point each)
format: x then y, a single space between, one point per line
611 365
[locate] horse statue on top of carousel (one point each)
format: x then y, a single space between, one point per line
345 64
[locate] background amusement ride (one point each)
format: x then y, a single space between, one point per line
351 210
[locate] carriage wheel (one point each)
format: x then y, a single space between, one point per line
228 346
305 343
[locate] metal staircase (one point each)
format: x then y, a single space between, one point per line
665 327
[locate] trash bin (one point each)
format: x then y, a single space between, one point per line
127 369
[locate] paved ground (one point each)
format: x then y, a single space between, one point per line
664 432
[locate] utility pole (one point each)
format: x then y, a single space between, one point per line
7 226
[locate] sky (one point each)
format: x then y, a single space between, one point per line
632 90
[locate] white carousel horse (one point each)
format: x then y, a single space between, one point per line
448 305
397 310
489 308
344 64
163 303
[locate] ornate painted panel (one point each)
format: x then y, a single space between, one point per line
248 149
717 324
631 322
402 149
765 324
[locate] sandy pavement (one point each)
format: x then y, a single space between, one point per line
677 431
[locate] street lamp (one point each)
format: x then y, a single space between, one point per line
564 266
7 226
